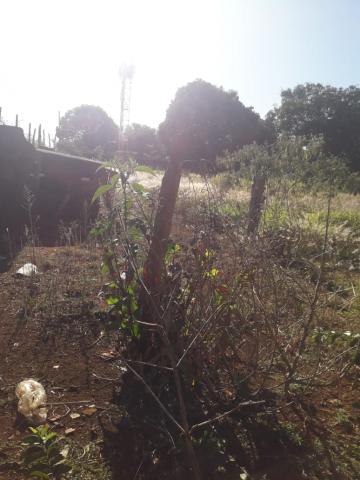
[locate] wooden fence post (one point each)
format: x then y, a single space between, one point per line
39 136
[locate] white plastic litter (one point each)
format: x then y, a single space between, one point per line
31 395
27 270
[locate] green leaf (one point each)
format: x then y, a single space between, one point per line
50 436
146 169
112 300
128 204
106 165
31 440
133 305
100 191
104 268
138 187
35 452
218 297
171 250
212 273
124 324
38 474
135 329
105 188
124 310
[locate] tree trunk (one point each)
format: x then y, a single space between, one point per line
154 264
256 203
151 291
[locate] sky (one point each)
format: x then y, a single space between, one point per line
58 54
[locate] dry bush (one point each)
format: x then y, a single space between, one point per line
237 335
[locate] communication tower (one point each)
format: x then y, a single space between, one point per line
126 73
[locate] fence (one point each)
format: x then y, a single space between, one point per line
37 136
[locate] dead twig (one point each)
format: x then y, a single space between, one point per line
225 414
149 389
70 402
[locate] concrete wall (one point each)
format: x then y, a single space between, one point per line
61 185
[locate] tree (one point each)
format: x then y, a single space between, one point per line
208 121
201 122
88 131
315 109
144 144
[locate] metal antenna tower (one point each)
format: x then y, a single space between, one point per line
126 73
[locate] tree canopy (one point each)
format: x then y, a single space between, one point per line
88 131
330 112
204 121
145 146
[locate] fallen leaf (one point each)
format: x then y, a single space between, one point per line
54 418
69 430
74 415
65 451
89 411
110 355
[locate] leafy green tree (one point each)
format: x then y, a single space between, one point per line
315 109
145 146
88 131
207 121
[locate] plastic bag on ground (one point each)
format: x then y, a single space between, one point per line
27 270
31 395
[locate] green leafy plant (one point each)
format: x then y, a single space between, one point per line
343 419
42 455
126 306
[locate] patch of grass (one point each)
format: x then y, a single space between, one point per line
275 216
346 219
226 181
233 210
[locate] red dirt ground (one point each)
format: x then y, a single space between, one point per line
49 332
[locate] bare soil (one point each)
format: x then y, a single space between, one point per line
49 331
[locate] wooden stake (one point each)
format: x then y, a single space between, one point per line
39 136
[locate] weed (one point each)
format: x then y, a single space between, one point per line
42 456
343 419
292 432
